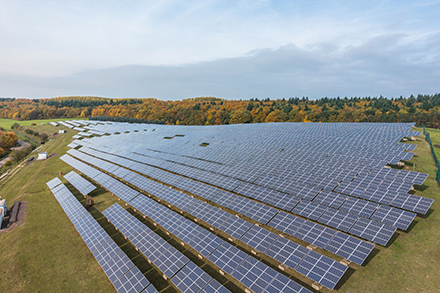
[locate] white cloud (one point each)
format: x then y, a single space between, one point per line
49 41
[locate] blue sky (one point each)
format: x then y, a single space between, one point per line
229 49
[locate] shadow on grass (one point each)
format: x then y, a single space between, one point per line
373 253
393 238
430 211
421 187
344 278
413 224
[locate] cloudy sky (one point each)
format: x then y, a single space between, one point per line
238 49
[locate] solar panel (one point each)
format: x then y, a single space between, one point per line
120 270
287 252
260 278
331 199
83 185
359 207
53 183
350 248
338 219
227 257
373 231
191 278
309 209
321 269
259 238
214 287
394 217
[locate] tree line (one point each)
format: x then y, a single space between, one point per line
422 109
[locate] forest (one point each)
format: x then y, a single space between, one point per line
422 109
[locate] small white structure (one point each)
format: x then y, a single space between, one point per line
42 156
61 131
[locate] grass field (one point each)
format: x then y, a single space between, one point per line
6 123
46 254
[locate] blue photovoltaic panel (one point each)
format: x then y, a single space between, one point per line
338 219
227 257
131 282
287 252
359 207
331 199
412 202
350 248
120 270
191 278
205 242
259 238
214 287
258 277
315 234
322 269
309 209
167 258
283 284
150 289
373 231
287 223
394 217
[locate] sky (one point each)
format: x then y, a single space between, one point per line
241 49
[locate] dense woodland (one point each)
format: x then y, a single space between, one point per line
422 109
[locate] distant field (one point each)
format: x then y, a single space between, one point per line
46 254
6 123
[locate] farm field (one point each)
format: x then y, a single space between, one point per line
46 254
7 123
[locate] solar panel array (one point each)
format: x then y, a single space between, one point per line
237 203
83 185
120 270
184 273
231 225
326 184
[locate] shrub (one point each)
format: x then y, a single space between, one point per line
33 124
18 155
15 125
29 131
44 137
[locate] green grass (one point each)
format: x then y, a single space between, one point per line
46 254
435 138
6 123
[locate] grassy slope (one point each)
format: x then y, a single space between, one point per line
412 262
6 123
46 254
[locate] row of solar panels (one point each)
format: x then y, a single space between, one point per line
237 228
158 252
81 184
120 270
170 261
415 203
222 220
189 277
318 235
228 156
311 210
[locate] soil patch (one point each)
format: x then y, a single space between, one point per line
21 217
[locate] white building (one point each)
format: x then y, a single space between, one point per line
42 156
